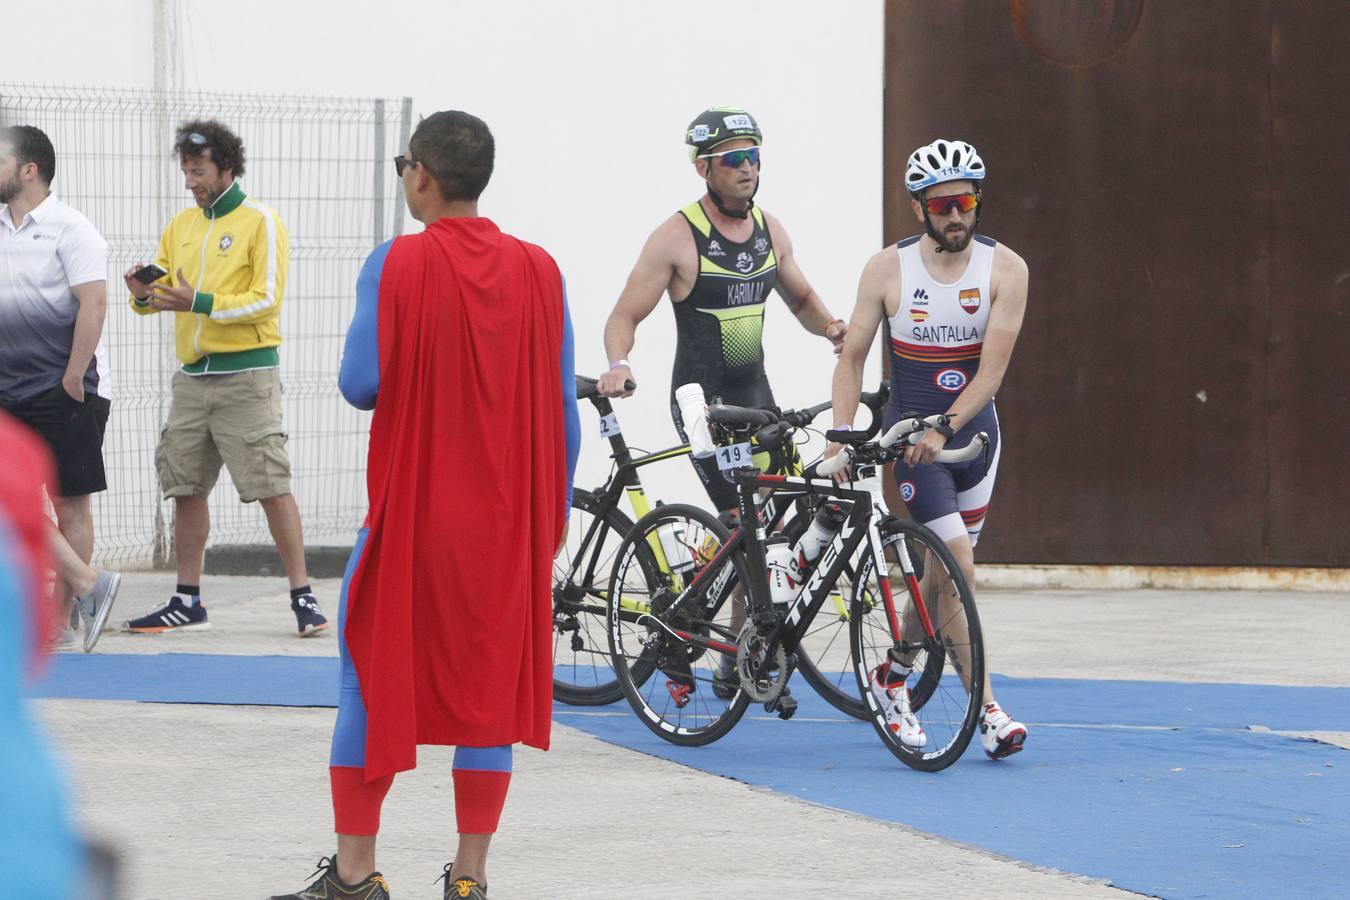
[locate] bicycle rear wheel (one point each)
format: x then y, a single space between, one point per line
674 655
582 674
940 643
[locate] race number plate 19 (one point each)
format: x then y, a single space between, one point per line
737 456
609 425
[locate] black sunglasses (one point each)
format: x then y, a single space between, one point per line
402 162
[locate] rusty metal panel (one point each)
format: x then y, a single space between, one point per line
1137 152
1308 414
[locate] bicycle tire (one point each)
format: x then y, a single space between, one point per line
946 683
683 707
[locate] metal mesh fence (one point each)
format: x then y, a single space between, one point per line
320 164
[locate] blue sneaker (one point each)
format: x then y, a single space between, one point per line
172 616
308 619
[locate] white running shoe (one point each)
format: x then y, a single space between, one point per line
94 606
890 690
1000 733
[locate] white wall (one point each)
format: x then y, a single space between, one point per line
588 101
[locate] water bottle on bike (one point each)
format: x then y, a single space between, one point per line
789 564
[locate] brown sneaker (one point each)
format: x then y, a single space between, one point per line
330 887
462 888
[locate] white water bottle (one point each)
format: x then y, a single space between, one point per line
824 526
679 555
694 411
785 576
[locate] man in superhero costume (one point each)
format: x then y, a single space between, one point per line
462 345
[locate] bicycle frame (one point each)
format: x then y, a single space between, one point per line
624 479
860 525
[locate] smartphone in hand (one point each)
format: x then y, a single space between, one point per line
148 274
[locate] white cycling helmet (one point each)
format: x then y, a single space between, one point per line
942 161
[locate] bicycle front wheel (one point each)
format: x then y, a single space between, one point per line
929 628
674 649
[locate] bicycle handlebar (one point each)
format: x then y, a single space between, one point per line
772 428
834 464
837 463
587 387
911 430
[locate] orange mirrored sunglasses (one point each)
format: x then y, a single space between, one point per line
940 206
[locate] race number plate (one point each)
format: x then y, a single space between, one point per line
737 456
609 426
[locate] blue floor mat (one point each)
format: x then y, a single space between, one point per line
193 678
1159 788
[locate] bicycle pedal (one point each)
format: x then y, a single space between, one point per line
785 706
679 693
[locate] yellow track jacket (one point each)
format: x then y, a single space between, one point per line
236 253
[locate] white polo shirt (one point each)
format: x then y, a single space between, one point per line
51 251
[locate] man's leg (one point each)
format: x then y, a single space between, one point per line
94 591
187 464
356 814
471 857
356 802
191 525
727 502
184 610
75 574
895 505
247 426
75 521
283 519
355 857
482 776
965 560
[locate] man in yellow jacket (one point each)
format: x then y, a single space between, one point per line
226 262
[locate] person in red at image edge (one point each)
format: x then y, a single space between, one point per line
39 851
462 345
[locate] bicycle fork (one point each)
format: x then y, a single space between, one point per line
872 481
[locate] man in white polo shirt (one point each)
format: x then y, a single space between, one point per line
53 298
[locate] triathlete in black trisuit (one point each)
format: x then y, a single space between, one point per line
718 259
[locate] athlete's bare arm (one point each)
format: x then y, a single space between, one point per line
797 292
878 296
1009 286
667 264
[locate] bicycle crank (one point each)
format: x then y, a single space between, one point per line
762 677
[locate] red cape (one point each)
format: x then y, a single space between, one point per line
449 612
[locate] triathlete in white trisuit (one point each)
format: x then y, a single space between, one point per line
954 301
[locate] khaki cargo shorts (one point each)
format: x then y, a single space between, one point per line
234 419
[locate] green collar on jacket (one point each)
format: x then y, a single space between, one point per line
226 203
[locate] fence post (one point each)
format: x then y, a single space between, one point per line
404 133
377 197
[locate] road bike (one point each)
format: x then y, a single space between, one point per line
669 637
